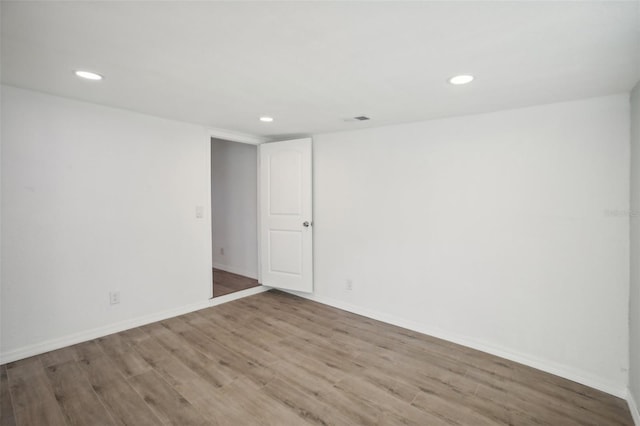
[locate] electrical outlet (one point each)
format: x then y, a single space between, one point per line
199 212
349 285
114 297
222 251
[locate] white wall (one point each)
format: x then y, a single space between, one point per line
97 199
234 210
634 299
503 231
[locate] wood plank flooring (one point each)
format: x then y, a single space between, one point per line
275 359
226 282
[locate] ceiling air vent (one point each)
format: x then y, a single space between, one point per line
354 119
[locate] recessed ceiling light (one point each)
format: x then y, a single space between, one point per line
266 119
88 75
461 79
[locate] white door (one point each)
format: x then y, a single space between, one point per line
286 233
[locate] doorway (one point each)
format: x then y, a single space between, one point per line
234 213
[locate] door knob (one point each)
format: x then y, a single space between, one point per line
306 224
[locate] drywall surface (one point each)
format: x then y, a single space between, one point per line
234 209
634 295
505 231
95 200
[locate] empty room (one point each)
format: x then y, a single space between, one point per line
320 213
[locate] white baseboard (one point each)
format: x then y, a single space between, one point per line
540 364
235 270
558 370
72 339
633 407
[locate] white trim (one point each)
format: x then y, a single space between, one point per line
83 336
229 135
209 218
238 295
234 270
564 371
258 214
633 408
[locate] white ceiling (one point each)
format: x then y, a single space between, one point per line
313 64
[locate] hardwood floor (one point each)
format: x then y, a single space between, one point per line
225 282
275 359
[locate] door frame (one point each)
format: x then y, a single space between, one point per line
231 137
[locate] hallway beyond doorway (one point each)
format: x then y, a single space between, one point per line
226 282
